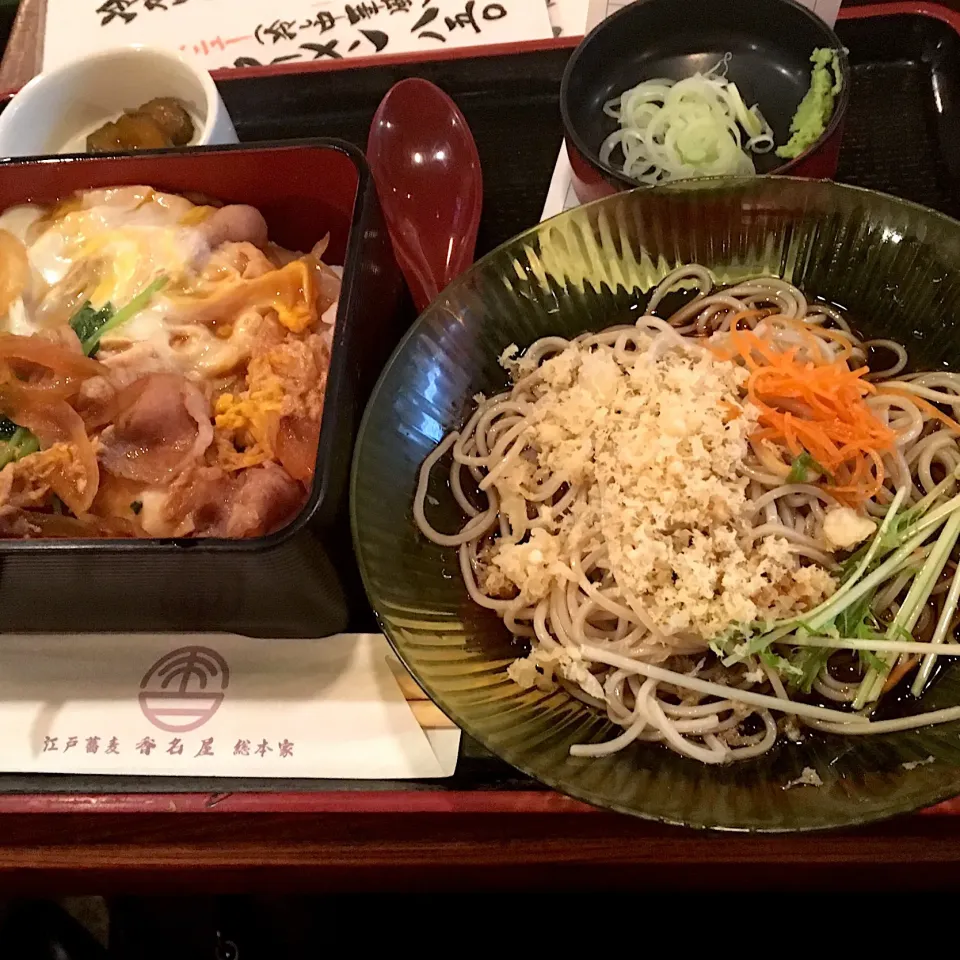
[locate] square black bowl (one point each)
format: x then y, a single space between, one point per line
297 582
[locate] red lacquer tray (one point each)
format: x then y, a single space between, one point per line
902 136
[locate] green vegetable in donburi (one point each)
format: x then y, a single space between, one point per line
87 322
816 108
90 324
15 442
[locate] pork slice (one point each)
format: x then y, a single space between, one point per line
266 499
163 426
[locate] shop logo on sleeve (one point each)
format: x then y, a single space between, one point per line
184 689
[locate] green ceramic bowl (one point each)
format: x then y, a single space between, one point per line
894 266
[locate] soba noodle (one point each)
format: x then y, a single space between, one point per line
868 614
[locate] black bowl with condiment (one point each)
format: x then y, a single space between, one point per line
770 44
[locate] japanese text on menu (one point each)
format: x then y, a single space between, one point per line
241 33
599 9
174 746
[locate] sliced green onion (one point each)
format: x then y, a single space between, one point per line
939 635
883 645
690 128
909 612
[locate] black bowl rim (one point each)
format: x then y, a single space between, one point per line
931 798
592 156
325 459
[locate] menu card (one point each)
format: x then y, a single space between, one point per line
600 9
569 17
215 706
244 33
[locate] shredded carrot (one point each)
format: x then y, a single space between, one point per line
824 334
731 410
900 671
722 353
816 405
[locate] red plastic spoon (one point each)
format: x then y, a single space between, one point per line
427 170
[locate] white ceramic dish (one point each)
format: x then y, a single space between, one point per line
54 112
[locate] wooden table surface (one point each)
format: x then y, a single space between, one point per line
219 847
447 841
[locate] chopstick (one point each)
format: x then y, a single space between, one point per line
23 58
430 716
426 713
